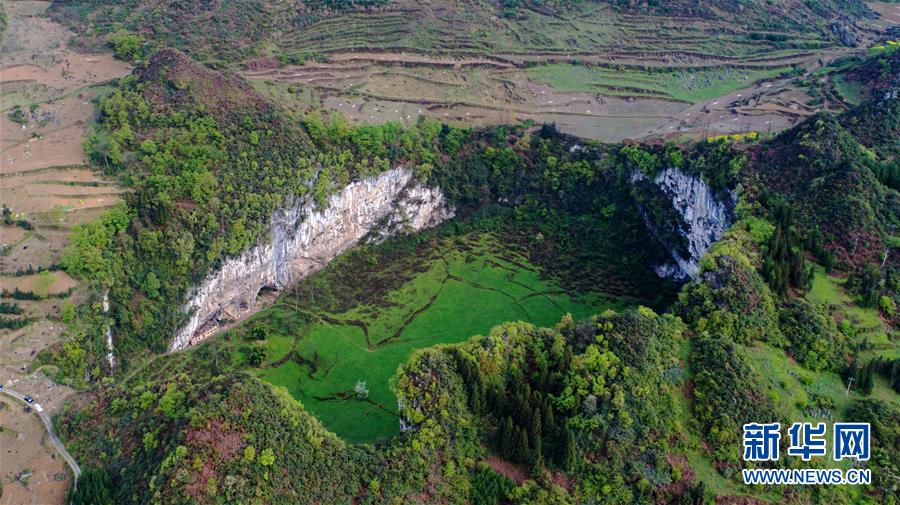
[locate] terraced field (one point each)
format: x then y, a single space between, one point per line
461 288
599 102
46 112
477 27
46 188
595 70
594 89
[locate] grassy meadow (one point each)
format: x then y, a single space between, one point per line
691 86
464 287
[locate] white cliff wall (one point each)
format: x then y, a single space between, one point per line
304 238
110 351
706 219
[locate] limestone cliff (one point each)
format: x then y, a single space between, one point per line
706 218
303 238
110 351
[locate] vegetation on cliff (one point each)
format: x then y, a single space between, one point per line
630 407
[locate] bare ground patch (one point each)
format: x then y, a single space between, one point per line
889 11
31 471
38 249
510 470
50 283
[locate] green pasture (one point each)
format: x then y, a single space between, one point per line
685 85
850 91
457 294
864 321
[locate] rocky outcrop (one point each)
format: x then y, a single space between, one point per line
706 219
110 351
303 238
844 34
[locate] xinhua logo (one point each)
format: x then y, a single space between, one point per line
851 440
806 441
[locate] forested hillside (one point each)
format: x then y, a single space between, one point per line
632 406
468 252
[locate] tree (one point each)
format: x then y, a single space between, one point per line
127 46
260 331
267 458
869 285
94 488
257 355
522 452
694 495
535 434
569 453
67 311
172 401
490 487
150 441
151 285
477 399
505 435
548 422
868 378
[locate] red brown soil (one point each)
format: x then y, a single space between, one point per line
25 449
58 143
197 488
166 80
687 474
510 470
563 481
224 443
73 71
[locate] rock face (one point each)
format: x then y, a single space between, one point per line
303 239
844 33
110 351
706 219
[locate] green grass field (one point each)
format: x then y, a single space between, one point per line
865 322
460 292
849 90
687 86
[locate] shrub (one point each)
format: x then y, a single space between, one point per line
127 46
887 305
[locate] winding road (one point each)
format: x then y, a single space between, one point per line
48 425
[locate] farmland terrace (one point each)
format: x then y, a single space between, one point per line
597 70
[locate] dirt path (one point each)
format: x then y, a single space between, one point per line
48 425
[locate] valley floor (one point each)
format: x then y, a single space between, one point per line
461 287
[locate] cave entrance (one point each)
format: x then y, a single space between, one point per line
266 294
